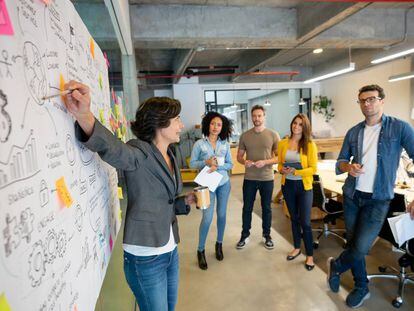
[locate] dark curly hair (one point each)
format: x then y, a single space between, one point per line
226 129
372 87
153 114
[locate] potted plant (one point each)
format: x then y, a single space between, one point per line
323 106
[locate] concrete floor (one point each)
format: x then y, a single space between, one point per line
254 278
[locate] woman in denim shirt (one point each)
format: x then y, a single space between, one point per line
214 151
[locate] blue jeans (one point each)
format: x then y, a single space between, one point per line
222 193
299 204
153 280
364 218
250 188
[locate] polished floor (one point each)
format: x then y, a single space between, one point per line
255 278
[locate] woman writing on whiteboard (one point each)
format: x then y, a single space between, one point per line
214 151
153 186
298 160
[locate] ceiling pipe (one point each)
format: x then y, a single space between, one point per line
258 74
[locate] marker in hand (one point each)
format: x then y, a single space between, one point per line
62 93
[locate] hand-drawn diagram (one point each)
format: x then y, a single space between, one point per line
5 64
52 256
34 72
70 150
5 120
43 193
21 163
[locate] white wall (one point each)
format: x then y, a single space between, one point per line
191 96
343 91
163 93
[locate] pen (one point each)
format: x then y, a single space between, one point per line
62 93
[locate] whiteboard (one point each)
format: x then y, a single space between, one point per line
59 206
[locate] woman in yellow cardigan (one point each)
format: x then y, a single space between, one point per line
298 160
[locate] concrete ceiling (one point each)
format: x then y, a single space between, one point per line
212 38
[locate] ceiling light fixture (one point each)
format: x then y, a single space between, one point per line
301 102
350 68
317 51
392 56
267 102
404 76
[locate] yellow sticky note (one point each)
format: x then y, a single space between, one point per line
63 192
101 116
100 81
4 305
120 195
118 132
116 108
120 215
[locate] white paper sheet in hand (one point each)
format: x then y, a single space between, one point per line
402 228
210 180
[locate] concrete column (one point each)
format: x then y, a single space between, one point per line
130 84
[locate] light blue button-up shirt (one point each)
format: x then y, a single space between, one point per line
395 134
203 150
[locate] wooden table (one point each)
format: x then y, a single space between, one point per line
334 183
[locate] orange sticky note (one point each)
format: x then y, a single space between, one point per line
62 85
4 305
120 195
92 47
63 192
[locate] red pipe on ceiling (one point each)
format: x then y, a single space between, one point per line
259 73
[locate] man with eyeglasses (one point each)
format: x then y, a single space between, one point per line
370 155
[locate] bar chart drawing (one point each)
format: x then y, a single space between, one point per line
22 163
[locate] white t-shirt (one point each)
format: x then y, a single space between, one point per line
137 250
365 182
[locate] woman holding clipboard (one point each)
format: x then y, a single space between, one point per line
298 160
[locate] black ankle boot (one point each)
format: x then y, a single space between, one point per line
202 263
219 251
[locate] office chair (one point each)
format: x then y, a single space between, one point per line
405 261
333 210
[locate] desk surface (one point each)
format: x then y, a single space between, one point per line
334 183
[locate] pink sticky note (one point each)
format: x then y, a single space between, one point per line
6 27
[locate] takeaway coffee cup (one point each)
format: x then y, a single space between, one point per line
203 197
220 161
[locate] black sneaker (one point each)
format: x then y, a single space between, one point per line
332 277
357 296
268 243
242 243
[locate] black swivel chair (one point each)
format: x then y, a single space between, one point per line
405 261
333 210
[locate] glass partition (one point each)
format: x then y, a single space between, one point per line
281 106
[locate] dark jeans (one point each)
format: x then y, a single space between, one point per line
250 188
153 280
299 204
364 218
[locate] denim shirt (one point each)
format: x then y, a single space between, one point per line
395 134
203 150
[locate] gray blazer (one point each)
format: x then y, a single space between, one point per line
151 188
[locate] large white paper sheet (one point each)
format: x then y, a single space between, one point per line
59 210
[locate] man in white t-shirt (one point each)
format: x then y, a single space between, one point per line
370 155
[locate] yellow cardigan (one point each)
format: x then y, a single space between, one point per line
309 162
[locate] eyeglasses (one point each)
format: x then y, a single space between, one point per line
369 100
